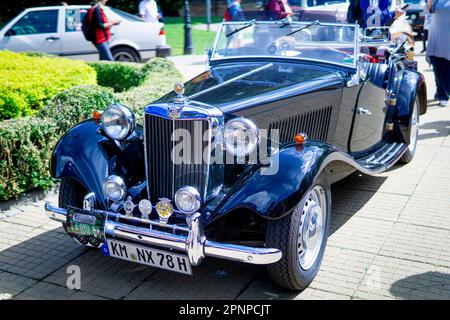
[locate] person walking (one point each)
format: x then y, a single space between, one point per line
354 12
236 13
377 13
102 29
426 25
148 10
438 50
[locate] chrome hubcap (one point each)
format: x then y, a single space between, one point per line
414 129
123 56
311 231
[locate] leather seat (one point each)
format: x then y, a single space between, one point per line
377 73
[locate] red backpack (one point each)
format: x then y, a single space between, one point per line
227 15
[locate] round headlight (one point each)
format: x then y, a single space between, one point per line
241 137
187 199
114 188
118 121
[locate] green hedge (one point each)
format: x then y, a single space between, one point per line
25 148
76 104
29 81
26 144
119 76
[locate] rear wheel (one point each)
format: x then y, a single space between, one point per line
125 54
302 238
413 134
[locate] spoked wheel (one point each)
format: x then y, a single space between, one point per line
413 134
302 238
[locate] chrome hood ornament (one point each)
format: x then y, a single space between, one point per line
179 90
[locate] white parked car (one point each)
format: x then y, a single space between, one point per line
57 30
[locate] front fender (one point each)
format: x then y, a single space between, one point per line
87 156
275 195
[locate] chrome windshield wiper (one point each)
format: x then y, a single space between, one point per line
314 23
252 22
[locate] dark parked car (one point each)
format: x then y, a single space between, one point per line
237 163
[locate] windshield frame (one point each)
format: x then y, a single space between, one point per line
356 42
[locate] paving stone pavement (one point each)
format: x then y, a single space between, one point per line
390 239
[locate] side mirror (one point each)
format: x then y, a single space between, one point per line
10 32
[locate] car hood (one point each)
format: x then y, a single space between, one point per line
241 84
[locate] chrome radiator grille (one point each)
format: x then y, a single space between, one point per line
314 123
164 176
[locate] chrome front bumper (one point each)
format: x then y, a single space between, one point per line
194 244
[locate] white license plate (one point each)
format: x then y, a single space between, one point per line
149 256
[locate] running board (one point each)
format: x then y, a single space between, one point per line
384 158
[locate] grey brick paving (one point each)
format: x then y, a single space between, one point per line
390 239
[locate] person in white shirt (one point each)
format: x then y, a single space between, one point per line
148 10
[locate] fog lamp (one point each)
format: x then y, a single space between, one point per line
187 199
114 188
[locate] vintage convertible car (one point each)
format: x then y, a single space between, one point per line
237 162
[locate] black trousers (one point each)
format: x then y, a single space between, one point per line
441 68
424 39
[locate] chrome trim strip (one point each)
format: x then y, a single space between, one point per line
194 244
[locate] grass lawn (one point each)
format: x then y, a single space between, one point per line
174 27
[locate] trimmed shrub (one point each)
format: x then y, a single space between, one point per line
25 150
26 144
76 104
120 76
28 82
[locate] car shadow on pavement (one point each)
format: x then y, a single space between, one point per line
436 129
350 195
428 285
38 257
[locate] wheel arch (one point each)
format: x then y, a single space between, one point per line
88 157
128 46
412 86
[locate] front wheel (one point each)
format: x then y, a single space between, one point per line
413 134
302 237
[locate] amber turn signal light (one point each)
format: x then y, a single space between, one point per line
96 115
300 139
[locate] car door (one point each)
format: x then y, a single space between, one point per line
36 30
369 117
73 41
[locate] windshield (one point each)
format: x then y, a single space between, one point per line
326 42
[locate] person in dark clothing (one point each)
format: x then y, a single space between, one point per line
102 29
354 13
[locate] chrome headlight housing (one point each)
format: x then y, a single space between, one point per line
114 188
241 137
187 199
118 121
